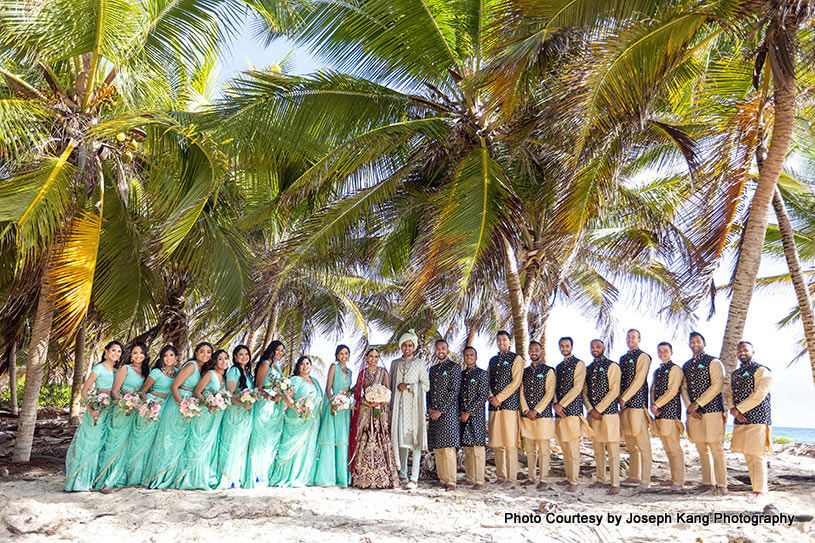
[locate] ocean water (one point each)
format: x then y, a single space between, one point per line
798 435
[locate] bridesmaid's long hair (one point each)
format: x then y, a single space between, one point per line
164 350
268 354
107 348
245 371
213 362
145 364
299 363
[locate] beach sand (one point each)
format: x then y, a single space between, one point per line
33 508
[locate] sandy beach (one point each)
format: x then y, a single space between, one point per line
33 508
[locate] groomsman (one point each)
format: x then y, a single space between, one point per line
505 373
702 392
667 408
601 390
475 390
442 408
750 400
537 417
570 425
634 366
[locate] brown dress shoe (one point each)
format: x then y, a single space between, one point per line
478 487
542 486
450 488
614 490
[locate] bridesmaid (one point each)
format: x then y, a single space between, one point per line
155 387
129 379
295 458
171 435
82 460
267 418
200 458
372 462
331 464
236 427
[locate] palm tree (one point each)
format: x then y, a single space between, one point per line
412 150
653 55
82 113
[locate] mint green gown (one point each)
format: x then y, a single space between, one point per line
295 457
82 460
267 427
144 432
233 445
331 462
171 438
199 463
113 459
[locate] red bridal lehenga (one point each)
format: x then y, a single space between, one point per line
371 463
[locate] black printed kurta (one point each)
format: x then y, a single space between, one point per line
445 383
475 391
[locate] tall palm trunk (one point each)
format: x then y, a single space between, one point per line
797 276
34 370
520 310
471 336
752 244
80 361
12 377
271 328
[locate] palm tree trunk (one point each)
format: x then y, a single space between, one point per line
752 244
797 276
80 361
471 336
12 377
520 310
271 327
34 370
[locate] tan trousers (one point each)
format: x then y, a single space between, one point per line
446 465
757 466
537 456
506 463
612 449
571 459
474 462
639 452
676 458
714 450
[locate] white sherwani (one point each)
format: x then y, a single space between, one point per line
408 428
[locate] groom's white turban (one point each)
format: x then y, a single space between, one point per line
410 335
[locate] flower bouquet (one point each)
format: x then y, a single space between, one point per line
129 403
149 409
281 385
304 406
377 394
341 401
190 408
247 397
217 401
97 401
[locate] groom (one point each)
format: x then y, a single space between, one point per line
409 383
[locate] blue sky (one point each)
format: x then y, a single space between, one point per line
792 384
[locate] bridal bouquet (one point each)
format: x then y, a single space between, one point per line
129 403
149 409
217 400
377 394
247 397
341 401
281 385
97 401
190 408
305 406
